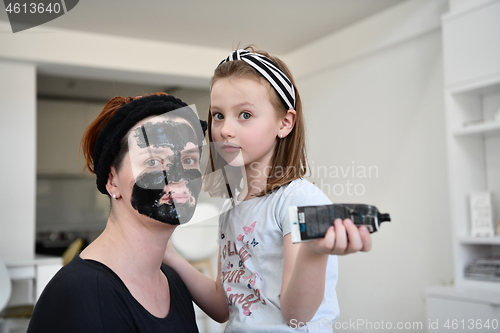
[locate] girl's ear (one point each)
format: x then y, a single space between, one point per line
111 185
287 123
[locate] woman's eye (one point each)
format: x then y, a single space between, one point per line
245 115
189 161
218 116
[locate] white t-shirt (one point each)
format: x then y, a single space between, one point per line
251 250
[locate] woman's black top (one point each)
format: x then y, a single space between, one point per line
87 296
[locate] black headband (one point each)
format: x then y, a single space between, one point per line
270 71
108 141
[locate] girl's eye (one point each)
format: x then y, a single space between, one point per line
245 115
218 116
153 163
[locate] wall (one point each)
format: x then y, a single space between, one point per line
458 5
18 168
378 110
95 56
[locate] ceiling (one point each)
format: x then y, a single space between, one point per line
277 26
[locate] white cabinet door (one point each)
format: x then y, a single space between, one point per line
472 44
60 128
447 315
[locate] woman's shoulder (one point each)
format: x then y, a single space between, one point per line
76 270
79 276
70 301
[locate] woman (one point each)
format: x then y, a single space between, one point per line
145 153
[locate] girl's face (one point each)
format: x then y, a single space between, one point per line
165 166
244 122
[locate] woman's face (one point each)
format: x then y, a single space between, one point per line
165 164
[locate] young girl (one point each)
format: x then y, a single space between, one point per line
264 282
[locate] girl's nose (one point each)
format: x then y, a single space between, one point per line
227 131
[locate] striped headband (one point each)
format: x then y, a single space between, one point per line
268 69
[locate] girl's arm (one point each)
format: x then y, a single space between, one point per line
305 265
209 295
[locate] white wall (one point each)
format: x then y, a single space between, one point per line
96 56
18 167
384 109
458 5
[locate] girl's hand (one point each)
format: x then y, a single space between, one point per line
345 238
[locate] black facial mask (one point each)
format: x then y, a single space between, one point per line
150 186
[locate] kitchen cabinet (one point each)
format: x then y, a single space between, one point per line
60 126
462 311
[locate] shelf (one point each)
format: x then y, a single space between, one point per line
477 86
84 175
488 127
480 240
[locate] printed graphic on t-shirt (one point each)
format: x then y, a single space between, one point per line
240 283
